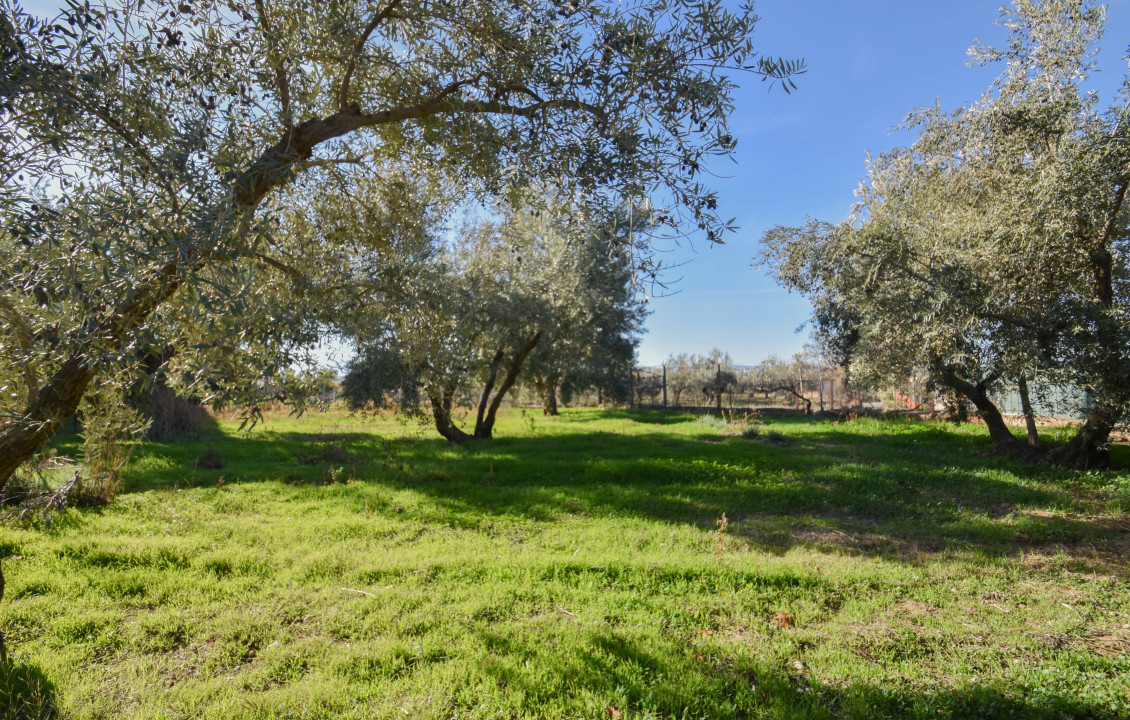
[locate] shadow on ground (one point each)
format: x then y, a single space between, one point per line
909 491
25 691
632 681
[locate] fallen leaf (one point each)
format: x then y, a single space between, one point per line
612 713
783 619
706 633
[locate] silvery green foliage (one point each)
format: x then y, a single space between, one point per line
145 145
997 243
599 308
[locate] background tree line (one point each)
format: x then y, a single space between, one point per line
807 380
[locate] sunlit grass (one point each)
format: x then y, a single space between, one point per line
340 566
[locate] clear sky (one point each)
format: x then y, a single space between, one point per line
869 64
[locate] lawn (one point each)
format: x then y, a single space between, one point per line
603 564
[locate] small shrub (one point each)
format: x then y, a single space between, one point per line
107 451
211 459
110 428
332 475
778 438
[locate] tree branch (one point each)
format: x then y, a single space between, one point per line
280 70
358 47
297 143
1112 216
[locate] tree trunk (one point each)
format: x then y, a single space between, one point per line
1029 416
977 394
441 412
55 403
485 430
495 362
547 390
1089 446
1089 449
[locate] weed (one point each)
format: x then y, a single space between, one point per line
720 538
710 422
752 432
332 475
778 438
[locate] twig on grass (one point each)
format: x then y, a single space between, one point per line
561 609
359 591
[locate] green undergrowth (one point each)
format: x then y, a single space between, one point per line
596 565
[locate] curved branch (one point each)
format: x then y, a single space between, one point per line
280 70
379 17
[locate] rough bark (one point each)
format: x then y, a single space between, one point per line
990 414
1089 448
546 387
1029 416
55 403
495 362
441 413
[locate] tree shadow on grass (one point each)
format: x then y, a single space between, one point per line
874 495
289 456
687 679
25 691
646 417
904 490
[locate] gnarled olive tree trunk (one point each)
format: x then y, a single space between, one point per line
1089 448
546 387
978 394
489 403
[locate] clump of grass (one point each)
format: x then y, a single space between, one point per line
333 475
709 422
211 459
751 433
778 438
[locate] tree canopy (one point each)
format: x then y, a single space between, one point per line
146 142
995 244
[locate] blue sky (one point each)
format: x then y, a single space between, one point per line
870 63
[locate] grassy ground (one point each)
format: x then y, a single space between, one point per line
598 565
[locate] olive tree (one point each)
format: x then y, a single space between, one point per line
996 243
598 306
464 321
145 145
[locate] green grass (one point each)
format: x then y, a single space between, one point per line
577 566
